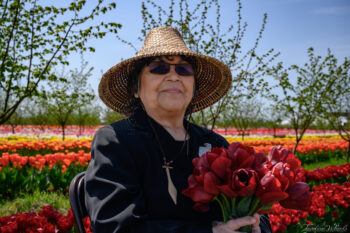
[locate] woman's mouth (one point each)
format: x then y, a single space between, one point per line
172 90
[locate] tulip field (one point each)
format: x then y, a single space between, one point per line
39 161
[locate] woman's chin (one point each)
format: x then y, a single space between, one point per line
174 107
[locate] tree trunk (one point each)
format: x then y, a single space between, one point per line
63 133
274 132
348 152
13 127
80 129
42 127
295 147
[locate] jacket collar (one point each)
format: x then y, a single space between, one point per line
139 121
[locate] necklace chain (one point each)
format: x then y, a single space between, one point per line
165 162
166 165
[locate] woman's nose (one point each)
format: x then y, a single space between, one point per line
172 75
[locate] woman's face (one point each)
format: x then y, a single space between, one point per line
169 92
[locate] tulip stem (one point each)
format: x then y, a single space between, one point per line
223 210
233 207
233 203
227 203
255 204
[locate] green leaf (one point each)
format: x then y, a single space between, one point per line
243 206
266 207
234 213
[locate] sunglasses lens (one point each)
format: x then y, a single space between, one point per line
184 69
164 68
158 68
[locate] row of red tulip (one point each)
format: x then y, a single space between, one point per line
47 220
324 197
313 148
326 173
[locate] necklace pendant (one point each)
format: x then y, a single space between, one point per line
171 187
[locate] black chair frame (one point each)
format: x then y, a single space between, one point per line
77 200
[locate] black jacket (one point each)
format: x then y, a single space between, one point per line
126 186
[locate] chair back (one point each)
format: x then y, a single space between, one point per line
77 200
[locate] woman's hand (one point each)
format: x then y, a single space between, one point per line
255 227
233 225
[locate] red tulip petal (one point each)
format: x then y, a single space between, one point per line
221 166
270 197
192 181
227 191
199 195
211 157
211 181
200 207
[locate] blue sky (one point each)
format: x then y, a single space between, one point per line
292 27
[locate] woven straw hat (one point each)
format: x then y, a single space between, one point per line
213 78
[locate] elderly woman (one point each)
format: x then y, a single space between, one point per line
141 164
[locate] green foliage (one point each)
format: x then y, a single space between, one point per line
66 97
86 115
38 112
34 38
316 156
243 114
111 116
305 98
16 119
320 123
332 161
338 106
15 181
34 202
273 119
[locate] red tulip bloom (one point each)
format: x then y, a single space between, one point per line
197 194
221 166
270 189
241 156
259 159
263 168
299 197
211 181
279 154
285 175
244 182
201 207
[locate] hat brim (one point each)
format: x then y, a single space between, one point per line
212 76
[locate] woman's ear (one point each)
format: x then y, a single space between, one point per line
136 95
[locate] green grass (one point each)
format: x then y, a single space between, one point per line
332 161
34 202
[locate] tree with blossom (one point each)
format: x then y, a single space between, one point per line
35 37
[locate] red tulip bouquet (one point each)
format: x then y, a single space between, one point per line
243 182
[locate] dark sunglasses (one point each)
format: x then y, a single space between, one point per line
160 67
